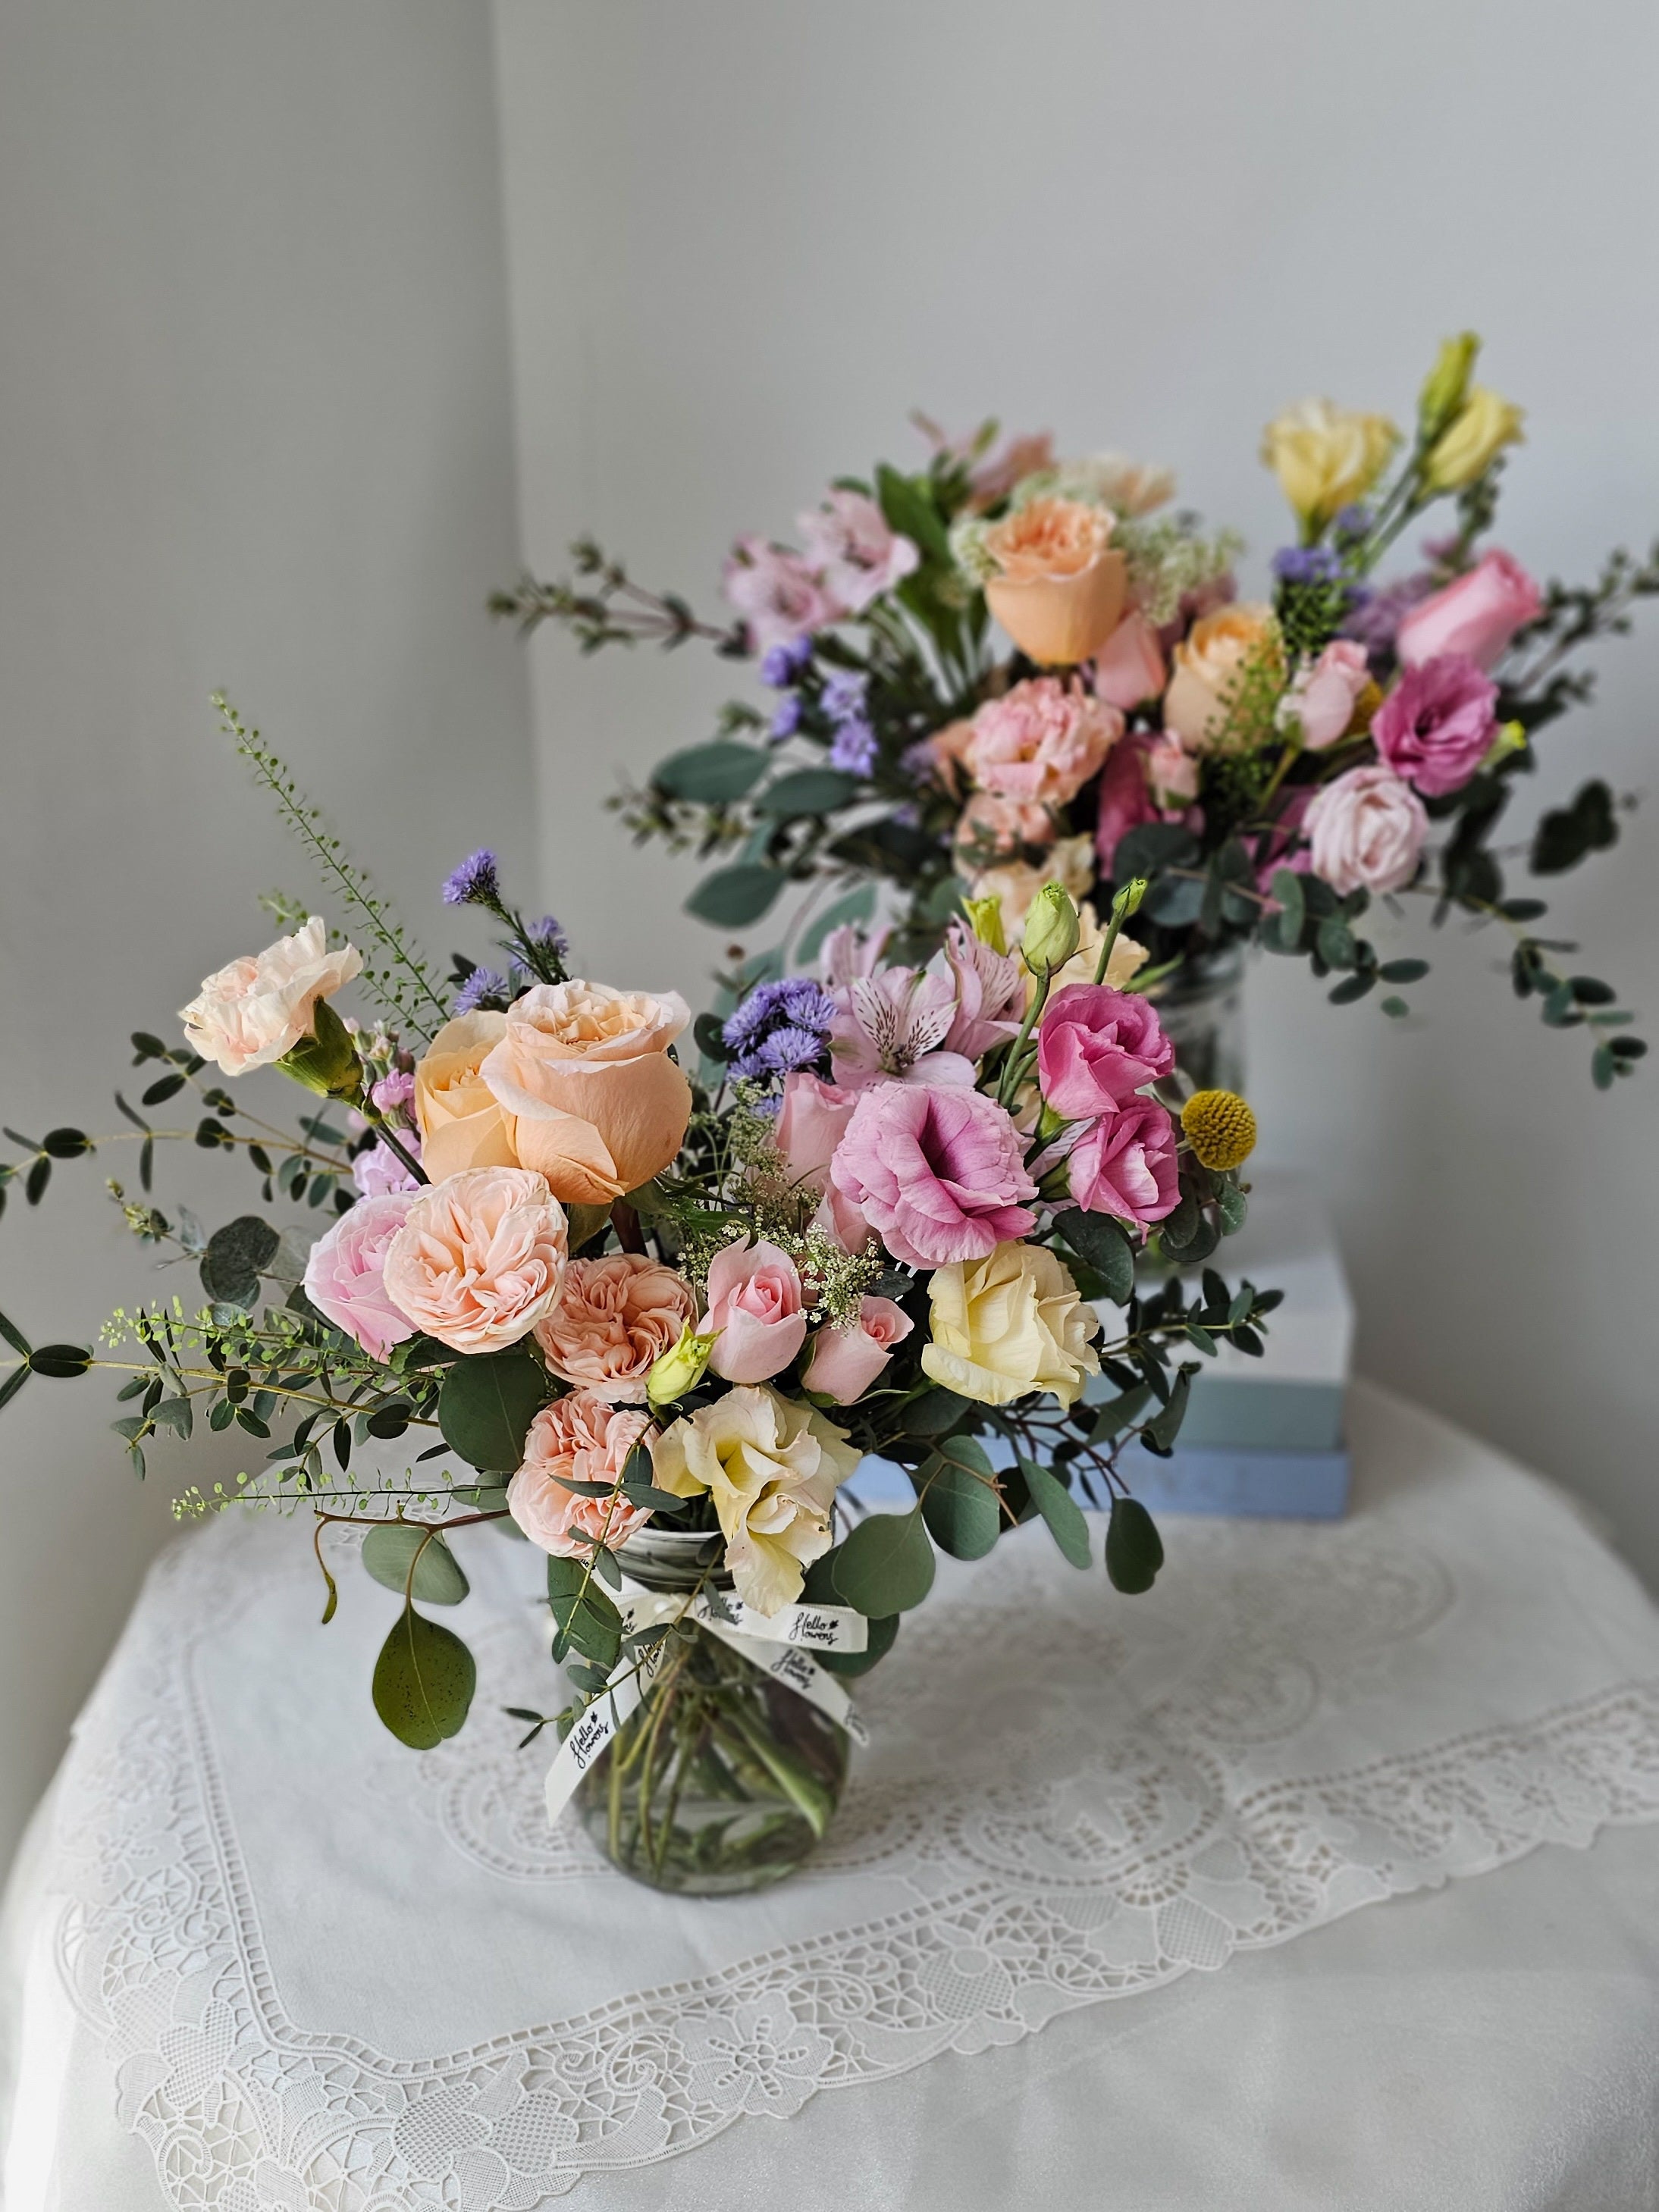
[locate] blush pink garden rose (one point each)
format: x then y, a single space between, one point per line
1043 741
846 1362
1096 1047
1129 667
480 1258
1059 584
855 550
1325 692
1477 614
345 1275
617 1314
251 1013
581 1439
1437 724
780 596
1126 1164
939 1174
1365 832
757 1314
1125 800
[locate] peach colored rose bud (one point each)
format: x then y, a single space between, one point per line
1129 667
1061 586
251 1013
598 1106
480 1258
1210 665
461 1122
846 1362
1323 699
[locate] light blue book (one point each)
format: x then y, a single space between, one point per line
1301 1485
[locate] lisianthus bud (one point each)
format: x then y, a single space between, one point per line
325 1061
1051 930
1511 739
1446 386
1484 424
985 920
680 1369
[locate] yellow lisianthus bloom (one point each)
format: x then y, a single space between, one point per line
1325 455
1486 423
1009 1325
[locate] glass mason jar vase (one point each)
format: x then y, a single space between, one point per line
1201 1007
721 1780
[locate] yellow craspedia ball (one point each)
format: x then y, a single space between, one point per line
1220 1128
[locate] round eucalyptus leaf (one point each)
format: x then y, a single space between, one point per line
486 1406
886 1565
390 1550
423 1681
1134 1550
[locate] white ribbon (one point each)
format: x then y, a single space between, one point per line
773 1642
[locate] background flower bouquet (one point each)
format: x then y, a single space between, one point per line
1270 767
654 1324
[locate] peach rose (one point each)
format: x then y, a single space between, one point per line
580 1438
462 1126
480 1258
754 1304
251 1013
845 1361
599 1108
1061 585
615 1314
1209 664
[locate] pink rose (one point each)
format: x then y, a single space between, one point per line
614 1314
1096 1047
1042 741
261 1006
845 1361
1126 1164
857 552
777 593
939 1174
1436 724
345 1275
1477 614
480 1258
1325 692
580 1438
378 1170
1171 772
811 1124
1129 667
756 1305
1366 830
1125 801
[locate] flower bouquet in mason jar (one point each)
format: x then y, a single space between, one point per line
1274 767
544 1277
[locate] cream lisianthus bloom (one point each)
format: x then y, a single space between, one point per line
772 1467
1482 427
1009 1325
1324 456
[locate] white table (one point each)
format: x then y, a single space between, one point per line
1492 2044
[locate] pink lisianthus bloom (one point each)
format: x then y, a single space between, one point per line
779 595
855 549
1325 692
1124 800
1365 832
1096 1047
811 1124
990 988
1126 1164
889 1028
581 1439
1130 667
617 1314
846 1362
1171 773
939 1174
1436 724
345 1275
378 1170
755 1312
1476 615
1043 741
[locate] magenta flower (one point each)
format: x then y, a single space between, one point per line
1096 1047
940 1175
1126 1164
1435 727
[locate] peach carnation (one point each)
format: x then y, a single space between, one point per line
615 1316
251 1013
481 1258
581 1439
1041 742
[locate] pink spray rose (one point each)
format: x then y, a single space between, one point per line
846 1362
345 1275
1477 614
1365 832
1436 724
1096 1047
1129 667
811 1124
778 594
581 1439
856 551
755 1302
1325 692
1171 772
1126 1164
1124 800
480 1258
939 1174
1042 741
616 1314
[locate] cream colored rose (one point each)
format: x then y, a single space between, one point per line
1009 1325
1059 585
1324 456
1211 664
598 1106
251 1012
1484 425
462 1124
772 1467
480 1258
1069 862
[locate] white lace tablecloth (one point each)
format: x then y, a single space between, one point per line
258 1958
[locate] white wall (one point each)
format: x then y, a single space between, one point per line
254 432
744 238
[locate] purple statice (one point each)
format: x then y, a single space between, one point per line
785 720
842 697
855 748
547 936
1307 564
482 983
780 1025
475 883
784 664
